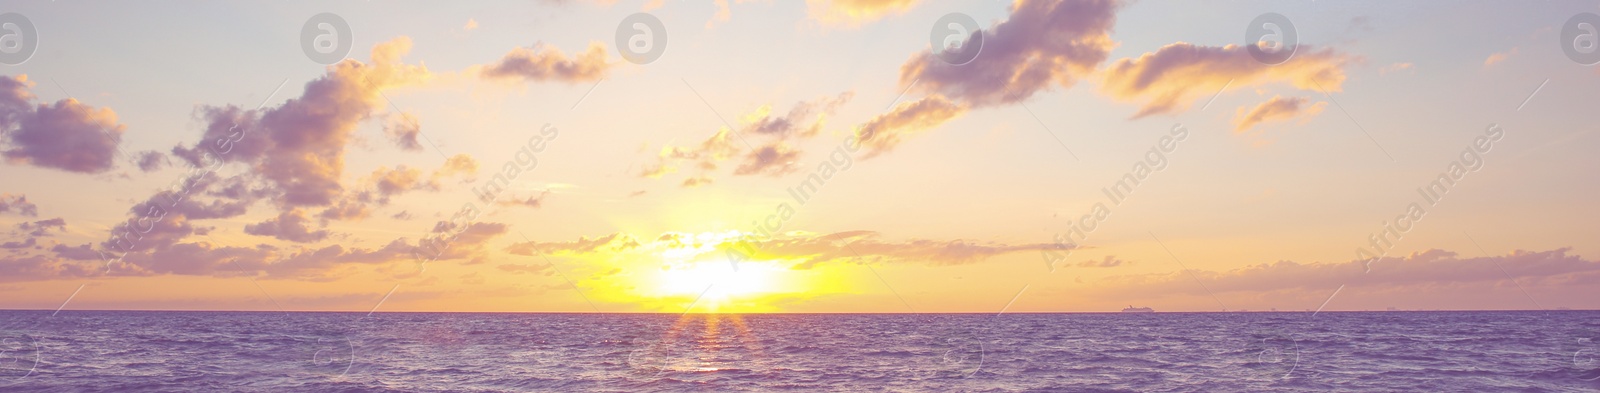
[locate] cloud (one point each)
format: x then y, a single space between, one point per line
151 161
240 190
290 225
656 171
457 165
205 259
1042 43
299 146
403 129
81 252
451 240
865 247
884 132
315 264
1497 57
472 24
15 268
1275 109
799 250
1168 80
541 64
532 201
345 210
399 180
165 218
19 203
16 101
697 181
293 154
65 135
384 184
1109 261
776 159
12 245
1397 67
616 242
803 120
1429 268
330 262
226 202
719 147
42 228
476 233
855 12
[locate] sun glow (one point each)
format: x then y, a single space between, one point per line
721 283
699 268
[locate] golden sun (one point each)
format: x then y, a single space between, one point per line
700 270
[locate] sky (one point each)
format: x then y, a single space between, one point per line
817 156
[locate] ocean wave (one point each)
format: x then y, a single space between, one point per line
162 351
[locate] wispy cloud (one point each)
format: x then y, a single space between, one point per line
543 63
886 131
778 133
798 250
1276 109
1396 67
1432 269
1170 79
1497 57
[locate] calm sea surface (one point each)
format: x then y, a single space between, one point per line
1530 351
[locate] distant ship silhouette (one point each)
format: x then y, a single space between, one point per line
1138 309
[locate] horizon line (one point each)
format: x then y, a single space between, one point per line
799 313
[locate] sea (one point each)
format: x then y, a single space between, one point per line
166 351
